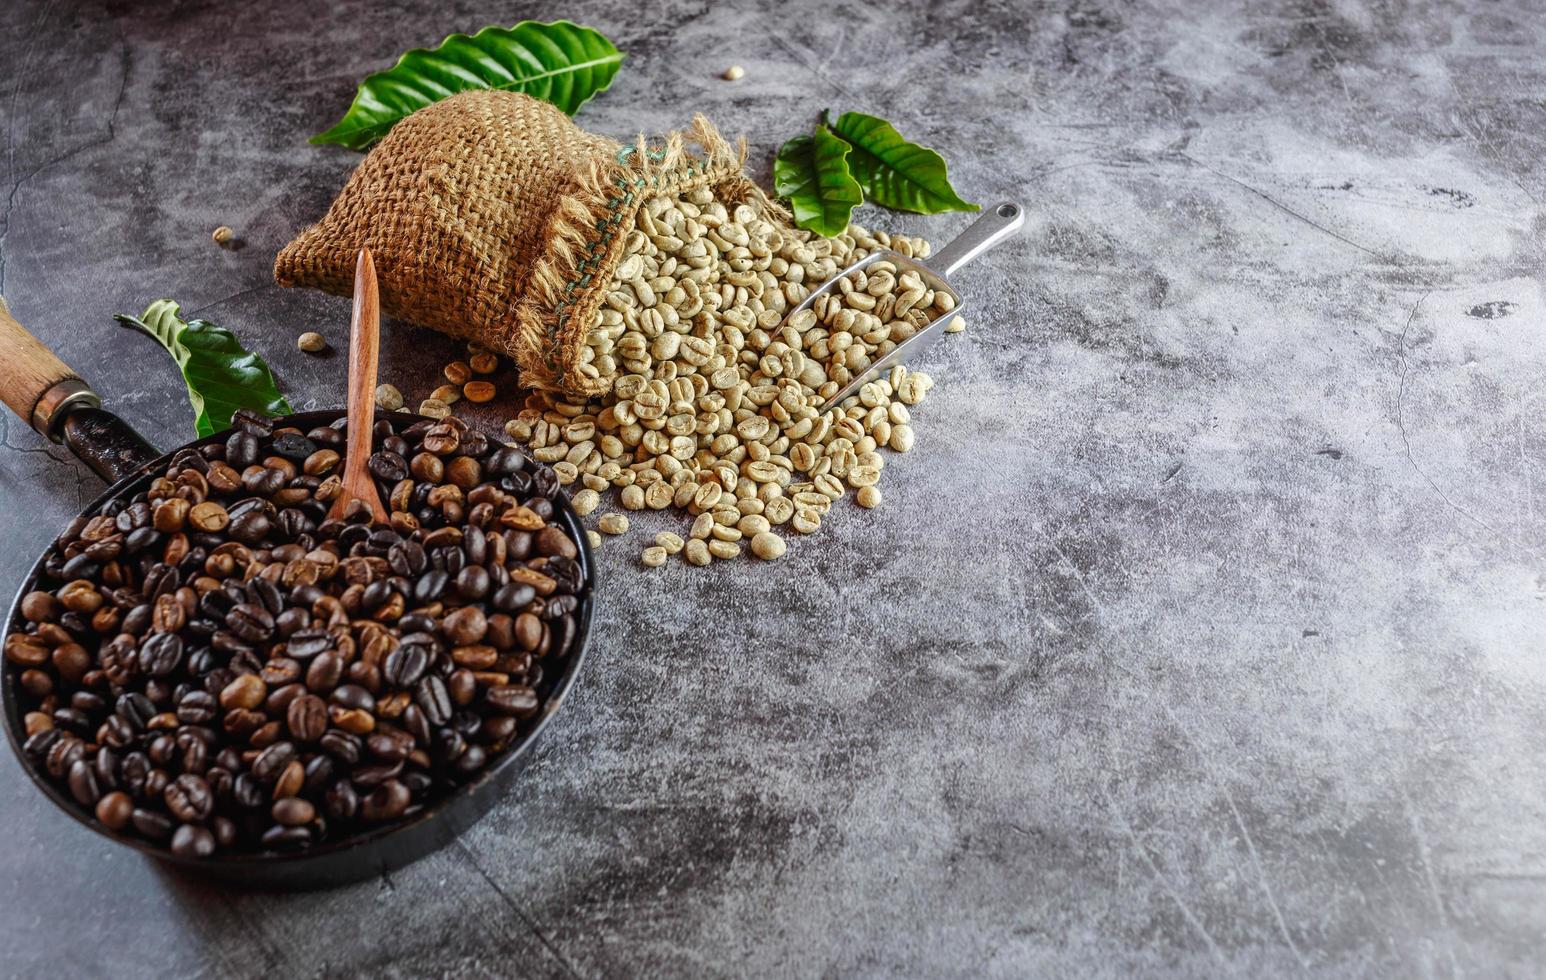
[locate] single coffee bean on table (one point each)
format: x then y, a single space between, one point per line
214 665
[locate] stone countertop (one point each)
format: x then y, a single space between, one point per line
1198 635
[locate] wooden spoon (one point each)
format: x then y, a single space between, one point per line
364 352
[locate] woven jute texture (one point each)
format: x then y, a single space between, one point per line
492 217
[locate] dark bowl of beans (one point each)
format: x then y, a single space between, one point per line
205 668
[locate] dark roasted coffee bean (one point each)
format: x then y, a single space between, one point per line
250 622
250 528
355 697
39 744
406 664
430 586
197 708
472 583
387 466
241 449
188 799
407 558
293 812
247 791
514 597
293 446
280 837
190 841
386 802
504 461
390 746
307 718
151 824
83 783
472 760
308 643
462 686
499 729
342 802
433 699
467 625
272 761
366 778
161 654
375 596
324 673
513 699
344 747
319 773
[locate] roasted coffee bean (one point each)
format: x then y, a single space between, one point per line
250 622
341 802
513 699
344 747
307 718
308 643
215 656
433 699
324 673
355 697
472 583
83 783
161 654
406 664
188 799
514 597
387 466
430 586
114 810
190 841
272 761
293 446
151 823
386 802
280 837
293 812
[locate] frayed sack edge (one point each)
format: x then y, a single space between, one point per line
584 243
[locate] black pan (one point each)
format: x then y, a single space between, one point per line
51 398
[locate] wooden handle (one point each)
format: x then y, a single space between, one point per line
28 370
364 352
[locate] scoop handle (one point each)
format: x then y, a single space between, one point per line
996 224
36 384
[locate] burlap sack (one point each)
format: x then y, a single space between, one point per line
492 217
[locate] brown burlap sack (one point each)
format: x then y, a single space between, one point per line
492 217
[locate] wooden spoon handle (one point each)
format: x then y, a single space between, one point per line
364 353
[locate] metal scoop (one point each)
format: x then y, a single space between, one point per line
996 224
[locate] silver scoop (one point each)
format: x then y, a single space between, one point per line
996 224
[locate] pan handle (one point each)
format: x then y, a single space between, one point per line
46 394
996 224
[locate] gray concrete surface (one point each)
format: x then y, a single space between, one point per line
1201 634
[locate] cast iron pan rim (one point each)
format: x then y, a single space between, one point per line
14 727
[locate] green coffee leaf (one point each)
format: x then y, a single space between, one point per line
893 172
221 375
812 172
561 63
